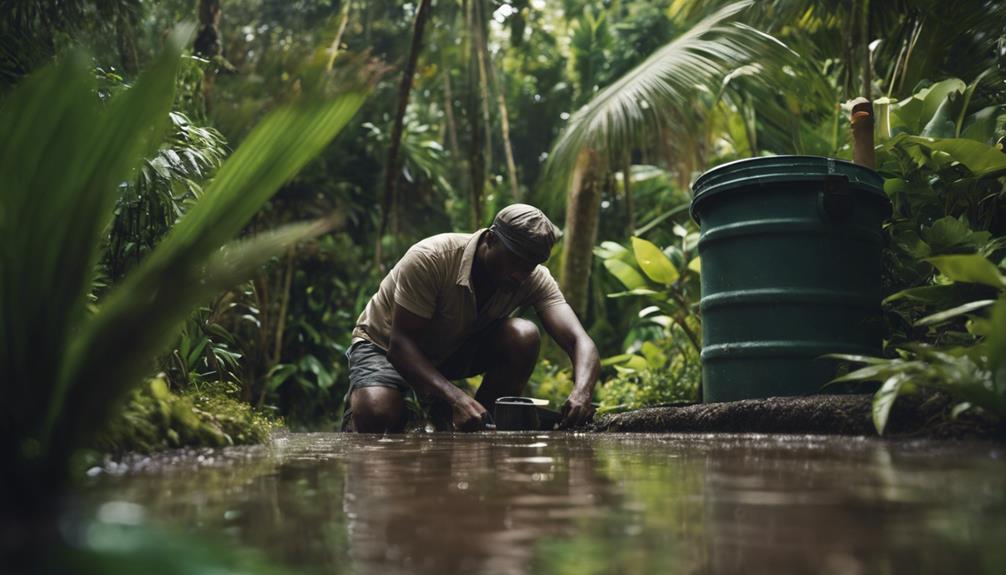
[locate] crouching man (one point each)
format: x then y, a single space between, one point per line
443 313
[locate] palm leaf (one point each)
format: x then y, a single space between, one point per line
140 315
654 98
62 160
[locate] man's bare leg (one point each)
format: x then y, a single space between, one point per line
377 410
512 353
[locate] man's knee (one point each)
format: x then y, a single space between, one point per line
521 339
377 410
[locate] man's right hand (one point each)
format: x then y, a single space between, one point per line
468 414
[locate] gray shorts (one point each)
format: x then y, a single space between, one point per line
369 367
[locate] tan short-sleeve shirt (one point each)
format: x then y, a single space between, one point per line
433 280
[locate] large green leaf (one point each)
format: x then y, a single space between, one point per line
609 250
996 345
141 314
634 292
657 266
916 111
655 357
981 159
952 313
884 400
62 158
937 295
938 96
941 125
981 125
626 274
971 268
950 234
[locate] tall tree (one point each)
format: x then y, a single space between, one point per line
125 33
478 107
390 199
511 165
208 44
582 211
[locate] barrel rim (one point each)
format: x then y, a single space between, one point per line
790 168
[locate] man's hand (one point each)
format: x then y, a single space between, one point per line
564 327
468 414
576 411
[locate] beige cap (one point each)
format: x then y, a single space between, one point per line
526 231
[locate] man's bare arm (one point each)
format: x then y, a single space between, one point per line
404 354
562 324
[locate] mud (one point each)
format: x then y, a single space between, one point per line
911 416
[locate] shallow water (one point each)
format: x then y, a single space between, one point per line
578 504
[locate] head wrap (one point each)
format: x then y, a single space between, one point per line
526 231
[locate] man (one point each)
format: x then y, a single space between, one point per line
443 313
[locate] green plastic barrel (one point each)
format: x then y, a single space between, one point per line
791 261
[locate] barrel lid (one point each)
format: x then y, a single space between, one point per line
772 169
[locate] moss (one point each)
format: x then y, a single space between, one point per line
210 415
219 402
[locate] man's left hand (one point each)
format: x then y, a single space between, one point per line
576 411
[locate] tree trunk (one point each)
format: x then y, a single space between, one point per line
487 72
390 200
582 208
477 159
452 129
208 45
126 36
511 165
630 204
479 46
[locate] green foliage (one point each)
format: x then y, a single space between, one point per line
551 381
661 364
210 415
667 279
965 373
663 372
166 185
945 240
651 101
70 366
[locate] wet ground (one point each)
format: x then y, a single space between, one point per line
583 503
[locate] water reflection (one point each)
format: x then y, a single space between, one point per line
466 505
561 503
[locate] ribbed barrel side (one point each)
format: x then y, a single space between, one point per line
791 262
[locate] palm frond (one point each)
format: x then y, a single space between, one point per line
63 161
655 97
142 313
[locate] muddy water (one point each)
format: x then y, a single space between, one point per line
579 504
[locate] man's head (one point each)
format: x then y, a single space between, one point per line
520 238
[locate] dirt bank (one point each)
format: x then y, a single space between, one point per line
912 416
